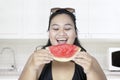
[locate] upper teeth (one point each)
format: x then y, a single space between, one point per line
61 41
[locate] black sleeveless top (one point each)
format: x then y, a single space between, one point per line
46 74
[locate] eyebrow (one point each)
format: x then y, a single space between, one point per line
65 24
69 24
54 25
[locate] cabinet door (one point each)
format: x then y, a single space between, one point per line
104 18
36 15
81 13
9 19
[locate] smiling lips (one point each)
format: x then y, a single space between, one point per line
62 41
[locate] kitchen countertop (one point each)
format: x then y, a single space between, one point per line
9 75
112 75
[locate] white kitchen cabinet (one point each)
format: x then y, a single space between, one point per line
104 18
36 15
23 19
30 19
10 25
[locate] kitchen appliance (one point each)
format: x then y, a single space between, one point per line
114 59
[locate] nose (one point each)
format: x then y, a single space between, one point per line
62 32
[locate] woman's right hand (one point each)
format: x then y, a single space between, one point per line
35 64
39 58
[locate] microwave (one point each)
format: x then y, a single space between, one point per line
114 59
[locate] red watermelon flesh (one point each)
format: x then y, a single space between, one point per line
63 52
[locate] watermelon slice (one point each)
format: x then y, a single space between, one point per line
63 52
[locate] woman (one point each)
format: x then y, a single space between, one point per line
62 30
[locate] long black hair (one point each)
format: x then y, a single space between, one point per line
72 16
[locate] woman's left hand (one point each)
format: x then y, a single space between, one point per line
86 61
90 65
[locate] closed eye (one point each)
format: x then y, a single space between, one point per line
55 27
68 27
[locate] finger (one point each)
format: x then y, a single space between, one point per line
83 55
43 53
84 58
82 61
85 64
43 60
46 61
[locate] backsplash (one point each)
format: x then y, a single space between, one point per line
24 48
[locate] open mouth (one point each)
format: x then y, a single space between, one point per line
61 41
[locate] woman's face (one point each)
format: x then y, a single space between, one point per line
62 30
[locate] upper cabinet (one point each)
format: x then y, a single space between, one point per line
104 18
9 18
29 18
36 16
23 19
